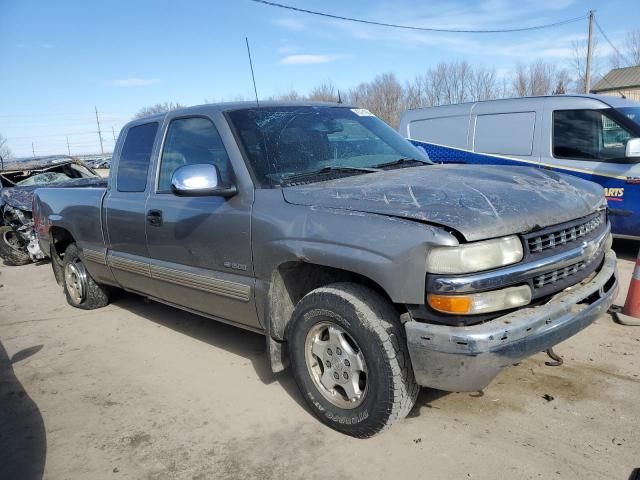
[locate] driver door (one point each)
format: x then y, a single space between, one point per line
200 246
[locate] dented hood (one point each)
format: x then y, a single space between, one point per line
477 201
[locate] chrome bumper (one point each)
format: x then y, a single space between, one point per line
468 358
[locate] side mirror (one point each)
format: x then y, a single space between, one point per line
632 151
200 180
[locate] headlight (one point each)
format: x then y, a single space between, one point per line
483 302
475 257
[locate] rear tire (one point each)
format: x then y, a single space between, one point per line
80 288
349 358
12 251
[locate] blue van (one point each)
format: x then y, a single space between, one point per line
595 137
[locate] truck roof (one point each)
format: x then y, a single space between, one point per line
229 106
38 163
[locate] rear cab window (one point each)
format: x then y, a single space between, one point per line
133 165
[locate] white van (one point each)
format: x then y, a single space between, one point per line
596 137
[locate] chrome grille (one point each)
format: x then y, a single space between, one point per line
555 276
563 236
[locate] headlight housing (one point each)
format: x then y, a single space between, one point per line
476 256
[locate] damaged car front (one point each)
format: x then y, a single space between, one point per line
18 182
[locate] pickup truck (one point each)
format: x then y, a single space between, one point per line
370 270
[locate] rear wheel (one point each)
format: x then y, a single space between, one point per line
13 250
80 288
349 358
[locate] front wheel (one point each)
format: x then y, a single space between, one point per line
80 288
349 358
13 250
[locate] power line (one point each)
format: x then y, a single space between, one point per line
11 138
423 29
611 43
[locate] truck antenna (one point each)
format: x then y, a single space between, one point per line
253 77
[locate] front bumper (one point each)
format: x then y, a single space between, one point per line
465 359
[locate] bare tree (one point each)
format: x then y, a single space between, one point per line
457 82
632 44
383 96
484 84
521 81
452 82
158 108
325 92
5 151
579 63
289 96
414 93
539 78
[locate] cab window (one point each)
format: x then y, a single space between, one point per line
190 141
135 158
588 135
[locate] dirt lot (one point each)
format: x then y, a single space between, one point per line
141 390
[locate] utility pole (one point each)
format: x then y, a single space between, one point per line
33 149
99 131
587 75
68 147
113 130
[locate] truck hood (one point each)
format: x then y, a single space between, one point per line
479 201
21 197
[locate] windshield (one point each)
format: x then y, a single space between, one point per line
47 178
283 141
633 113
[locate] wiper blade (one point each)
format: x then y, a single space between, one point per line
287 179
405 161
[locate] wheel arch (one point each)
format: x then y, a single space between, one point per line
292 280
59 239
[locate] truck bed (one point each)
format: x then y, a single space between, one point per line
79 210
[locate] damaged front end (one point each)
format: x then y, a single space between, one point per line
18 242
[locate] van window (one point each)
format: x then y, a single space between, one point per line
191 141
449 131
588 135
135 158
505 133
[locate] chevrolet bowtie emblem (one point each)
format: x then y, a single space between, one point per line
589 250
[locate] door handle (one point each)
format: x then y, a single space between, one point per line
154 217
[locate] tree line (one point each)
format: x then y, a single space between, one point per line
459 81
446 83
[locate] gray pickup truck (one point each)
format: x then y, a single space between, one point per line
369 269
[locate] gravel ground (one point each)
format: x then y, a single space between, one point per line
141 390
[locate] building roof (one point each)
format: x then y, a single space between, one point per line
619 78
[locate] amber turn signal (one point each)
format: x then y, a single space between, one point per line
450 304
482 302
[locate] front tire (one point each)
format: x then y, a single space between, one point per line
80 288
350 360
12 249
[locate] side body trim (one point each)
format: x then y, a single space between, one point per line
233 290
94 256
131 266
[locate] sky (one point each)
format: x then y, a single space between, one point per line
62 59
